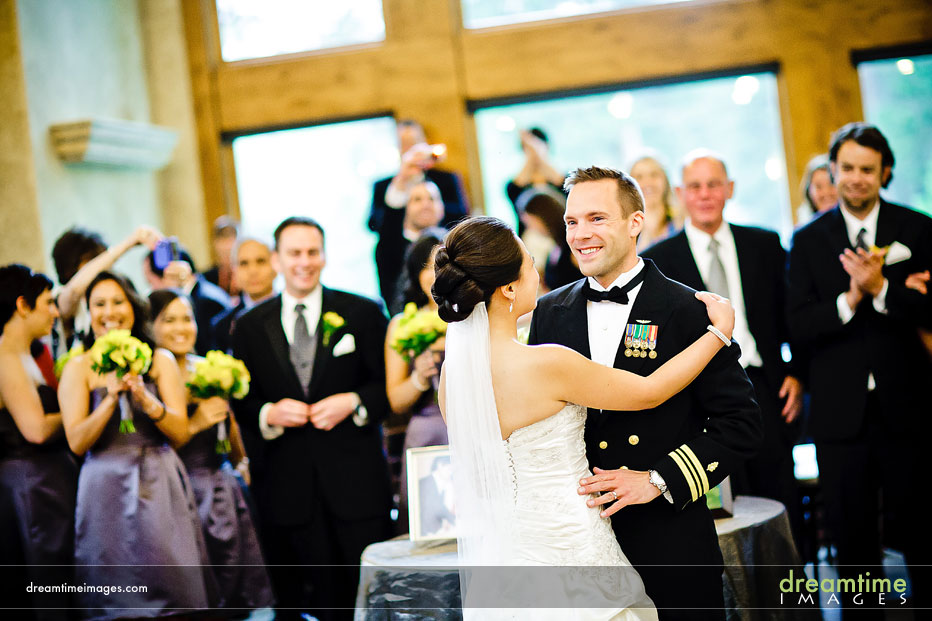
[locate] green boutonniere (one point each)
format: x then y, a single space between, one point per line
332 323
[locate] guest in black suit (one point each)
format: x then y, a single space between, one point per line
678 450
314 408
418 161
747 266
869 373
254 274
208 299
423 211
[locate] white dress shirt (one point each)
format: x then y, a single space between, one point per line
853 226
699 242
607 320
313 303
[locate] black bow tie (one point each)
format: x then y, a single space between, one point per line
619 295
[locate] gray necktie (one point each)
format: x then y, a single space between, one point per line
717 282
303 347
860 242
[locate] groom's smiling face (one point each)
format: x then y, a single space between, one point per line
601 237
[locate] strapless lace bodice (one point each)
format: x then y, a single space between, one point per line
554 526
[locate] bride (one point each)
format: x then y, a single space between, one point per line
516 416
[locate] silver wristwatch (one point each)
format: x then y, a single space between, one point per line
657 481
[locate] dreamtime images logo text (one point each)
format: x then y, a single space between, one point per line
860 591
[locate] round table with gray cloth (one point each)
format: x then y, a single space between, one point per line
401 579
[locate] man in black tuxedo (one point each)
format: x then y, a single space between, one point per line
748 266
678 450
255 277
423 211
316 399
418 161
869 373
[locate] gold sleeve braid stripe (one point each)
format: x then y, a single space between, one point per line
687 474
703 479
692 471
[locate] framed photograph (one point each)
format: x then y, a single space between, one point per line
430 494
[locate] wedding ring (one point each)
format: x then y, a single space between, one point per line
614 495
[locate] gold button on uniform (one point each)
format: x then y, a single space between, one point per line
624 467
633 440
603 444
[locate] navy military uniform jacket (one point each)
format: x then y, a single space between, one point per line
694 440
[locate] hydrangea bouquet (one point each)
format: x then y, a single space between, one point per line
417 330
219 375
120 352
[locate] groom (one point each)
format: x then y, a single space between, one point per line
657 463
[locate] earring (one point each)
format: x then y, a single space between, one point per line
511 307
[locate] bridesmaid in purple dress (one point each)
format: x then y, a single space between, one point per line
136 524
38 474
225 518
411 386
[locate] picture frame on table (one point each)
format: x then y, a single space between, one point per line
431 503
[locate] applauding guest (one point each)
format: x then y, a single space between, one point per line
855 299
314 408
135 521
228 530
38 474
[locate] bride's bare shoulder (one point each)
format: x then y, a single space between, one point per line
556 360
552 351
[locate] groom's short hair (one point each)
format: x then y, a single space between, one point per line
629 193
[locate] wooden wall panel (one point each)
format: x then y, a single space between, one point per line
429 67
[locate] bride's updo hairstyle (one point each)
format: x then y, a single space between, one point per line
478 256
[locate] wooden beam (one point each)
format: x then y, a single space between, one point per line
429 67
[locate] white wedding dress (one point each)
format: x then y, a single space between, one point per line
554 526
529 546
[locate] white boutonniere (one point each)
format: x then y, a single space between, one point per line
332 322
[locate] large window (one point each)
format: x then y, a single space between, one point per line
896 94
736 116
256 29
325 172
488 13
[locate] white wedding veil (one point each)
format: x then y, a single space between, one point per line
482 474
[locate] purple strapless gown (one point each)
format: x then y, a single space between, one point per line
38 484
227 524
136 525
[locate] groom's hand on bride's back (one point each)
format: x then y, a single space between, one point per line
617 489
288 413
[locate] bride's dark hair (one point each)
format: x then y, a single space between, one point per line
479 255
